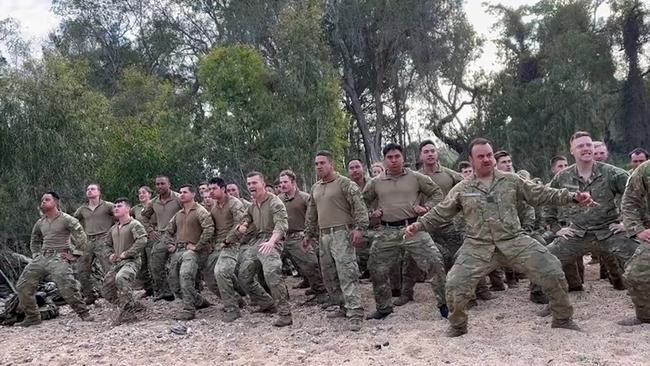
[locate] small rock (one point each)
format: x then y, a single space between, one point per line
386 344
377 347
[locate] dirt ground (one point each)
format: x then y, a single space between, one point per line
502 331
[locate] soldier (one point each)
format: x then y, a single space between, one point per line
466 169
96 217
637 157
269 217
187 237
592 229
397 193
558 164
601 153
494 236
357 173
337 216
227 212
155 217
125 241
296 203
449 238
233 191
50 246
144 274
636 218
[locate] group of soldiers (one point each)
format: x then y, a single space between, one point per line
460 232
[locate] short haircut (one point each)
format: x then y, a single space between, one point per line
146 188
99 187
425 143
557 158
500 154
188 186
276 182
353 159
218 181
289 173
204 183
579 134
123 200
162 177
639 150
53 194
478 141
256 174
392 146
326 154
600 143
464 165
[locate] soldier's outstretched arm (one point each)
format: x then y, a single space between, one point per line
237 210
280 217
634 201
539 194
443 212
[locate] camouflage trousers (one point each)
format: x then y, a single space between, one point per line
476 259
118 283
271 265
389 246
184 268
340 270
48 264
616 250
159 258
307 261
144 274
637 280
395 273
95 250
226 275
208 272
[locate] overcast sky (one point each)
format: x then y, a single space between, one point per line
37 20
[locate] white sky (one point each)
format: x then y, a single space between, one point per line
37 20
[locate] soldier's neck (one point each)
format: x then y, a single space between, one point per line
51 214
431 168
124 220
188 205
93 202
585 168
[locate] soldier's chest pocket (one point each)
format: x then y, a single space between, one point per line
472 203
601 192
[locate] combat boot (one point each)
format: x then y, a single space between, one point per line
617 284
403 300
231 316
565 324
456 332
29 321
283 321
269 309
379 314
630 322
85 316
538 297
485 295
355 324
339 313
203 304
166 297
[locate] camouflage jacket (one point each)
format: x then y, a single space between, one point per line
491 213
605 184
57 234
636 201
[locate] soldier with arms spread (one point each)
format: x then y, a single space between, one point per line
494 235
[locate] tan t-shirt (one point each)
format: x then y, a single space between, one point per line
226 217
296 209
97 221
130 238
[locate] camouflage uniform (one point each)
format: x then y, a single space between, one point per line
96 223
591 224
268 217
193 226
144 274
494 237
335 207
636 217
306 261
225 270
155 218
48 241
128 240
396 196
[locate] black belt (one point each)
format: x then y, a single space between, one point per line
400 223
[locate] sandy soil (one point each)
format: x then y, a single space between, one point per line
501 331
